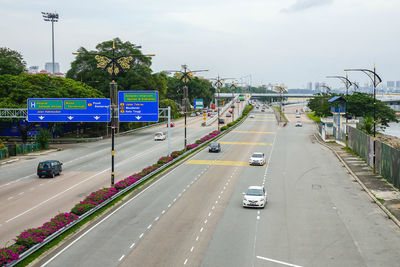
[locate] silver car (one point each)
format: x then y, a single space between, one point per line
258 158
255 197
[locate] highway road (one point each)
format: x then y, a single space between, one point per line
193 216
27 201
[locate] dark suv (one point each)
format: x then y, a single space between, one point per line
214 147
49 168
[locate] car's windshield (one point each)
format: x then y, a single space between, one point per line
214 144
254 192
158 134
257 156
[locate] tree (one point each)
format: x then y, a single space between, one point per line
358 105
11 62
138 77
15 90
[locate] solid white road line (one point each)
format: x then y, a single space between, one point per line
276 261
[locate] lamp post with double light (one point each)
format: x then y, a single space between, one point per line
347 83
375 81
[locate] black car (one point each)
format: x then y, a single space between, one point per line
214 147
221 121
49 168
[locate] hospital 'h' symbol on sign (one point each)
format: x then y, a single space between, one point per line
32 104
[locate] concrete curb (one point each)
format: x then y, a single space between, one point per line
372 196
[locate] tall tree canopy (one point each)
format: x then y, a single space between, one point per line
11 62
15 90
138 77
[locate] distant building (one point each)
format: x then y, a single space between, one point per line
397 84
317 86
390 84
49 67
309 86
33 69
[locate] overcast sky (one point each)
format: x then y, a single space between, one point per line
277 41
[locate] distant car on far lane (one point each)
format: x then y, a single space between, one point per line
228 114
297 115
251 116
298 124
159 136
255 197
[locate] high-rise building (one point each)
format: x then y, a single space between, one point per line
397 84
309 85
390 84
49 67
316 86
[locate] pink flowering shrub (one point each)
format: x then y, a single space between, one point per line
164 160
33 236
93 200
176 154
188 147
7 256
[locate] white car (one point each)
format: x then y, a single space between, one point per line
258 158
159 136
252 116
297 115
256 196
298 124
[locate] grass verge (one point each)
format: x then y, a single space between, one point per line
313 117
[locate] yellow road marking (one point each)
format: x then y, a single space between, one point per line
217 162
253 132
246 143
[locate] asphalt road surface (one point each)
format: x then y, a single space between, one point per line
193 216
27 201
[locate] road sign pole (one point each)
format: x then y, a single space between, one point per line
169 131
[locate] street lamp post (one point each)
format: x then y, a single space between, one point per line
281 90
185 78
327 88
218 83
375 80
232 87
52 17
114 65
347 82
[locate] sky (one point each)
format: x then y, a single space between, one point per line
288 42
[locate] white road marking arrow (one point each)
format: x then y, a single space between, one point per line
41 117
96 117
70 117
138 117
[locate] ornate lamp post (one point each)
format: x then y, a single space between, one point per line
186 75
327 88
114 65
375 81
232 87
218 82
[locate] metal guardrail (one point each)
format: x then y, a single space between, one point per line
13 113
36 247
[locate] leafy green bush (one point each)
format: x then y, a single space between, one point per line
43 138
223 128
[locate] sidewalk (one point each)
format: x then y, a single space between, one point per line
385 195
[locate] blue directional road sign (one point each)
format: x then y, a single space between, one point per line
69 110
138 106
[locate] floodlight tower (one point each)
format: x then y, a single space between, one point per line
53 17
